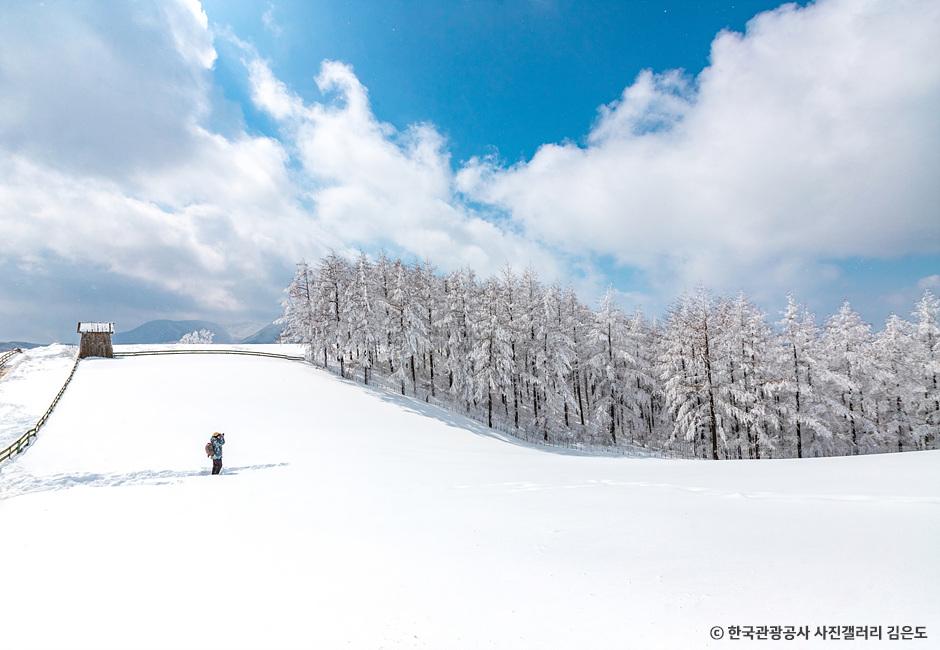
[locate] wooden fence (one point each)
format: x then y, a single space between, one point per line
25 440
6 356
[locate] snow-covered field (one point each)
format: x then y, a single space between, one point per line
348 518
28 384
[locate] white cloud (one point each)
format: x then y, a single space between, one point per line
812 136
105 163
189 27
270 22
931 282
103 89
270 93
198 230
372 185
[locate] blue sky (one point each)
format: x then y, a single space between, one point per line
503 76
172 160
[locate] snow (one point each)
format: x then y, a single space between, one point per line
291 349
351 518
28 384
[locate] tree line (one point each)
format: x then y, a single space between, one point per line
712 379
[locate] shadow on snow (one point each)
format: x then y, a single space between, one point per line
465 423
18 482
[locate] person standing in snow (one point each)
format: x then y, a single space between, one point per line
214 449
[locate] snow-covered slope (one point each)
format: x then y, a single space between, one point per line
28 384
267 334
348 518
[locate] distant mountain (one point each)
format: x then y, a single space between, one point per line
267 334
242 331
9 345
170 331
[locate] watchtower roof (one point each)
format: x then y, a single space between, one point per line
105 328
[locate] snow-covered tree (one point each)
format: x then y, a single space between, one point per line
530 317
642 392
745 348
427 300
713 380
926 357
511 319
554 357
198 336
408 336
896 384
456 323
299 319
847 378
492 350
362 325
330 335
689 373
802 408
607 359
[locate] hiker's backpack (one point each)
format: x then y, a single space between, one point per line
209 449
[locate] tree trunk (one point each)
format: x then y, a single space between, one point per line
854 432
577 384
535 405
613 428
489 409
900 428
712 423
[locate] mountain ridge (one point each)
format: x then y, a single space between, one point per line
170 331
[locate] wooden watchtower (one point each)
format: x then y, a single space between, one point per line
96 340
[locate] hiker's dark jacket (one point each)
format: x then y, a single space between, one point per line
217 443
